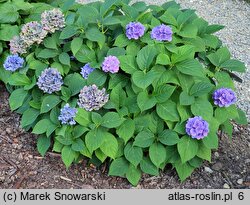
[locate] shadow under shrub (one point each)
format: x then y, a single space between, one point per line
138 86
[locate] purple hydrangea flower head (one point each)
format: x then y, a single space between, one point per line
224 97
52 20
162 33
197 128
111 64
91 98
135 30
67 115
18 45
86 70
32 32
50 80
13 62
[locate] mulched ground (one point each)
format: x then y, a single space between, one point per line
21 166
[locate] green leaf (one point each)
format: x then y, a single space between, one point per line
64 59
182 53
76 44
145 57
97 77
93 34
110 145
133 175
68 156
184 170
121 41
78 145
163 59
128 63
47 53
8 13
116 51
242 119
119 167
203 108
111 120
201 88
19 79
214 28
234 65
75 83
196 162
168 111
111 20
43 144
163 92
126 130
219 57
157 154
82 117
17 98
169 137
42 126
143 80
186 99
94 139
145 101
106 6
204 152
189 31
144 139
29 116
191 67
49 102
133 154
224 80
68 32
50 42
7 32
96 118
148 167
100 155
187 148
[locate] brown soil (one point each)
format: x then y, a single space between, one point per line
21 166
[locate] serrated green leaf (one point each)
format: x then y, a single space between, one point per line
157 154
68 155
169 137
17 98
110 145
145 57
145 101
144 139
82 117
49 102
29 116
133 175
191 67
119 167
187 148
76 44
168 111
111 120
148 167
201 88
133 154
43 144
126 130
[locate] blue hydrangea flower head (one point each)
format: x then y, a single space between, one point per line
162 33
67 115
50 80
224 97
197 128
13 62
91 98
111 64
135 30
86 70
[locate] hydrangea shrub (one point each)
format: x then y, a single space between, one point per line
137 86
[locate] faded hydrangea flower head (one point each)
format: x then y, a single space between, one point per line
18 45
111 64
67 115
50 80
197 128
80 1
32 32
13 62
86 70
162 33
224 97
52 20
135 30
91 98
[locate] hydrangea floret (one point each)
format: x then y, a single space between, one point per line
111 64
13 63
67 115
86 70
162 33
197 128
135 30
50 80
224 97
92 98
